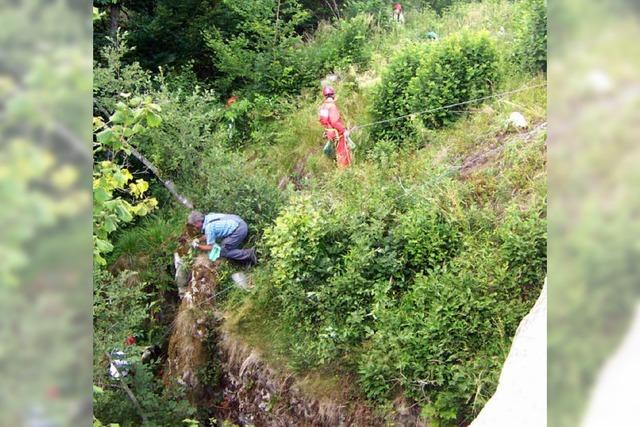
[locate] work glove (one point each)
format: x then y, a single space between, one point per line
195 243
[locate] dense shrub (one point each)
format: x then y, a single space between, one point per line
427 235
390 99
460 68
330 253
409 286
445 341
112 76
530 42
343 45
379 11
333 48
224 182
122 308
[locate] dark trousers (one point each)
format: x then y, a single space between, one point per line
231 244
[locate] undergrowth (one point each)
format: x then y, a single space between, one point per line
406 274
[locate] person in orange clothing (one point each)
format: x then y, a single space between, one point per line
329 117
398 16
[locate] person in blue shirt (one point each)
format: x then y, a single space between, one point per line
230 230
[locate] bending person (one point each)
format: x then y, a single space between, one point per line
230 229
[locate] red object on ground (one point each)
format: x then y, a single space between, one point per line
231 100
53 392
130 340
329 117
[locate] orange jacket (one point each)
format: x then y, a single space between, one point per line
329 117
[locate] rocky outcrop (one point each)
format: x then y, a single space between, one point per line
244 388
193 325
256 394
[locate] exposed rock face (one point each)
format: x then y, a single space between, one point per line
191 327
255 394
245 389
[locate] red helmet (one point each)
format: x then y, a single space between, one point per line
328 91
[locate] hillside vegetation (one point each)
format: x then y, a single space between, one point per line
401 277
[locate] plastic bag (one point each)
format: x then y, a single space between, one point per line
328 150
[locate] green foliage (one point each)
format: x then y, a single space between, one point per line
428 236
410 287
168 34
460 68
255 51
112 182
112 76
390 99
530 41
336 47
147 248
379 11
444 342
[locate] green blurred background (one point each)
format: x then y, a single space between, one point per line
45 236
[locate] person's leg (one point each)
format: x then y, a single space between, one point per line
343 156
231 245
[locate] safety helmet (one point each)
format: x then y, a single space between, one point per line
328 91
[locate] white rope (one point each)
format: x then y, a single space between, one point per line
446 107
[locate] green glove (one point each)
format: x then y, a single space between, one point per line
215 252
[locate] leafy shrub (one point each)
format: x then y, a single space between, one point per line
460 68
391 96
343 45
333 48
427 235
336 257
444 342
222 181
113 76
254 52
530 42
379 11
121 309
523 238
189 121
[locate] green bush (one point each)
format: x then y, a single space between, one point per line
427 235
444 342
530 41
379 11
460 68
334 48
390 99
123 307
334 257
112 76
223 181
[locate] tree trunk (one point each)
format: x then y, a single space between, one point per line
114 19
169 185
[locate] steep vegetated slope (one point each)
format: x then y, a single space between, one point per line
402 278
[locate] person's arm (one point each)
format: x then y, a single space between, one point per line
335 120
204 247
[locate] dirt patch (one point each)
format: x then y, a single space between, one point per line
477 160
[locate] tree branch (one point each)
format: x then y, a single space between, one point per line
128 390
169 185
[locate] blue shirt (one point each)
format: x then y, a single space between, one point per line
218 226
